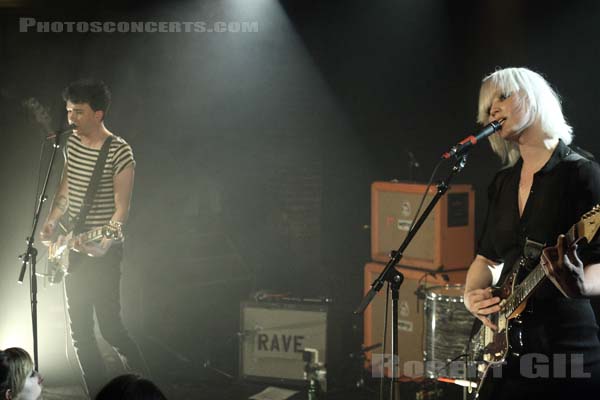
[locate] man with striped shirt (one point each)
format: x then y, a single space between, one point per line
92 284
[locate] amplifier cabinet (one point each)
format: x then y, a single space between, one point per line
446 238
274 335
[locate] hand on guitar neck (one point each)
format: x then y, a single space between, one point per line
563 267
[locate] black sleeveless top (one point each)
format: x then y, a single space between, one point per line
562 191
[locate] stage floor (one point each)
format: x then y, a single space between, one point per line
220 391
244 390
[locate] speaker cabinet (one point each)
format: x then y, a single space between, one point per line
274 336
446 238
411 322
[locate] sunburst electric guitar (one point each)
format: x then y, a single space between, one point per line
58 250
489 348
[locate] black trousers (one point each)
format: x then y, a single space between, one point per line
93 285
582 381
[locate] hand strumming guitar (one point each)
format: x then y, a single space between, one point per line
47 232
93 249
481 303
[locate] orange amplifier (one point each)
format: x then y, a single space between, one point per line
411 317
446 238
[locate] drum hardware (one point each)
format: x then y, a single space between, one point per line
360 357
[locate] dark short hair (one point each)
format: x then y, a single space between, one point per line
130 387
94 93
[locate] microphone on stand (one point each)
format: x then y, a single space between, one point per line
471 140
67 130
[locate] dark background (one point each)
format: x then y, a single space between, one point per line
255 151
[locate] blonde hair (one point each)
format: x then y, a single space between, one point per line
18 366
538 98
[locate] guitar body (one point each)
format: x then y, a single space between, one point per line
488 348
491 349
58 254
58 250
503 348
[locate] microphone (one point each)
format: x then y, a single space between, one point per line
67 130
469 141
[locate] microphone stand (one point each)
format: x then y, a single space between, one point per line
30 255
395 278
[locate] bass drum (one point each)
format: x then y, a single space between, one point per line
448 326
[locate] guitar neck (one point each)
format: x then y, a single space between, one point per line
525 288
88 236
532 280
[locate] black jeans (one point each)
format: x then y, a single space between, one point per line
93 284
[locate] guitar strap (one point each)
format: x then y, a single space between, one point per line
532 251
88 200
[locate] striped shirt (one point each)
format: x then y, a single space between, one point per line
81 161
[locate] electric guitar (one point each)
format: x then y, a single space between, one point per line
58 250
489 348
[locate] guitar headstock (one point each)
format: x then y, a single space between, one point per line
590 223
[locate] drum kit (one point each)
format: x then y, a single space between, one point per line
448 327
445 341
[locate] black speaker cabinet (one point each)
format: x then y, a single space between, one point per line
274 336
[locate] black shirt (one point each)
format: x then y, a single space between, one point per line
562 191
